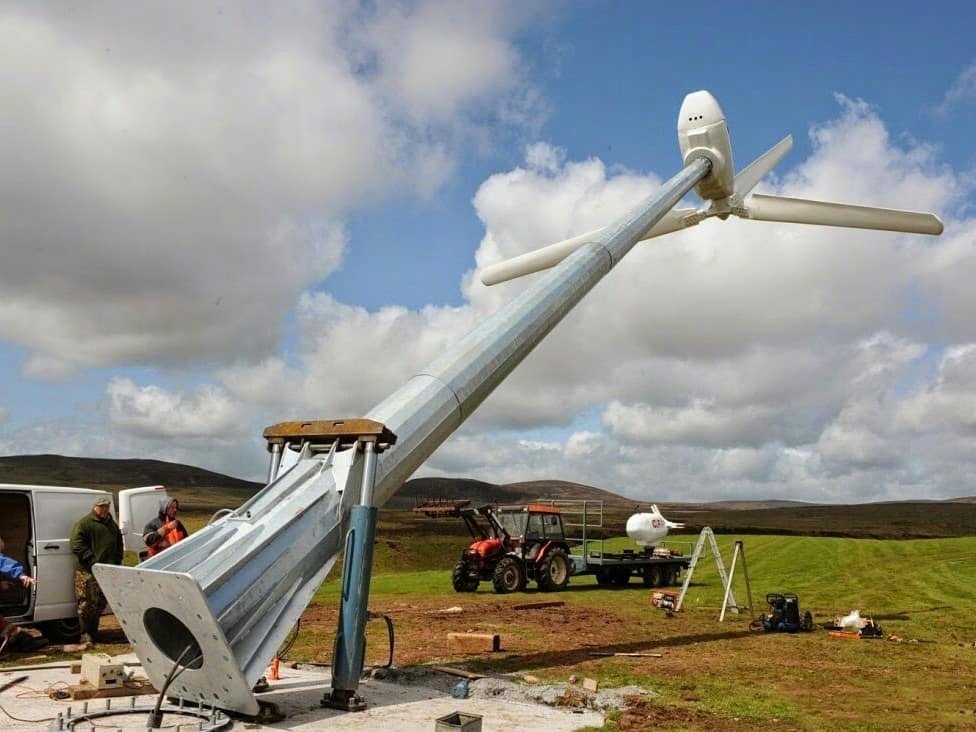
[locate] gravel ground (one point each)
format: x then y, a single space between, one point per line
513 689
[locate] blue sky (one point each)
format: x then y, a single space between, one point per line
611 73
217 219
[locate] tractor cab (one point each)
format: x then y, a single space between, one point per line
531 527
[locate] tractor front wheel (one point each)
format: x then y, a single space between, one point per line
509 576
554 571
461 578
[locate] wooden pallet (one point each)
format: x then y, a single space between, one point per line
87 691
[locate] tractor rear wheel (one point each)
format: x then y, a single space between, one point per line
461 578
554 571
509 576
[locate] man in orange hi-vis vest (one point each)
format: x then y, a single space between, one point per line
164 530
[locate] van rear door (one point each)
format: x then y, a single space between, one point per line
56 510
137 507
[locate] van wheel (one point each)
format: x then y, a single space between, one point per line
64 630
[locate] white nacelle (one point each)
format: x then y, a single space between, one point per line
649 529
703 133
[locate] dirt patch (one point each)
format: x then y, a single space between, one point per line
641 714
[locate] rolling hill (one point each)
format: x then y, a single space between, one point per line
195 487
419 490
205 490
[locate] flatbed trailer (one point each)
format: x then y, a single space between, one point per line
617 568
655 566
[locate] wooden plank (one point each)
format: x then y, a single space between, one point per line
458 672
538 605
87 691
634 655
474 642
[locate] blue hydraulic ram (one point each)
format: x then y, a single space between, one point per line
224 599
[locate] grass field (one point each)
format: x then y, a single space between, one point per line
713 675
710 675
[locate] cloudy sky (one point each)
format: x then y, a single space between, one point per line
218 216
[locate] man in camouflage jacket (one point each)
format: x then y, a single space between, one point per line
95 539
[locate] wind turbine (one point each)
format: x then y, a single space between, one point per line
209 613
704 133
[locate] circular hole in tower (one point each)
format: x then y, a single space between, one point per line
172 637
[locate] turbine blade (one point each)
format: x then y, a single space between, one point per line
536 260
747 178
546 257
824 213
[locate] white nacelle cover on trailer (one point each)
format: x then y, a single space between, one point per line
650 529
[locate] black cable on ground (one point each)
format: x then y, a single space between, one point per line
18 719
283 652
156 716
389 630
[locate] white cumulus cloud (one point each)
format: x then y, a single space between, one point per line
178 176
963 89
736 359
151 411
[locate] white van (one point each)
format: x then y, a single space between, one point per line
36 523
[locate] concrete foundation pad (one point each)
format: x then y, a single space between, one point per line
297 694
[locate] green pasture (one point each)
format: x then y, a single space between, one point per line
919 587
924 587
918 590
713 675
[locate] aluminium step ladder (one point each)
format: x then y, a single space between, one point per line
728 600
708 535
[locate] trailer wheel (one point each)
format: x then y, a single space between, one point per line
604 576
554 571
621 576
671 577
509 576
461 578
652 576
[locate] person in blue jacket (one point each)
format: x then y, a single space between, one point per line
12 635
13 569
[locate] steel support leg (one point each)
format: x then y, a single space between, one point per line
350 644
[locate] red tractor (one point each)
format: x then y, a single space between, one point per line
512 545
